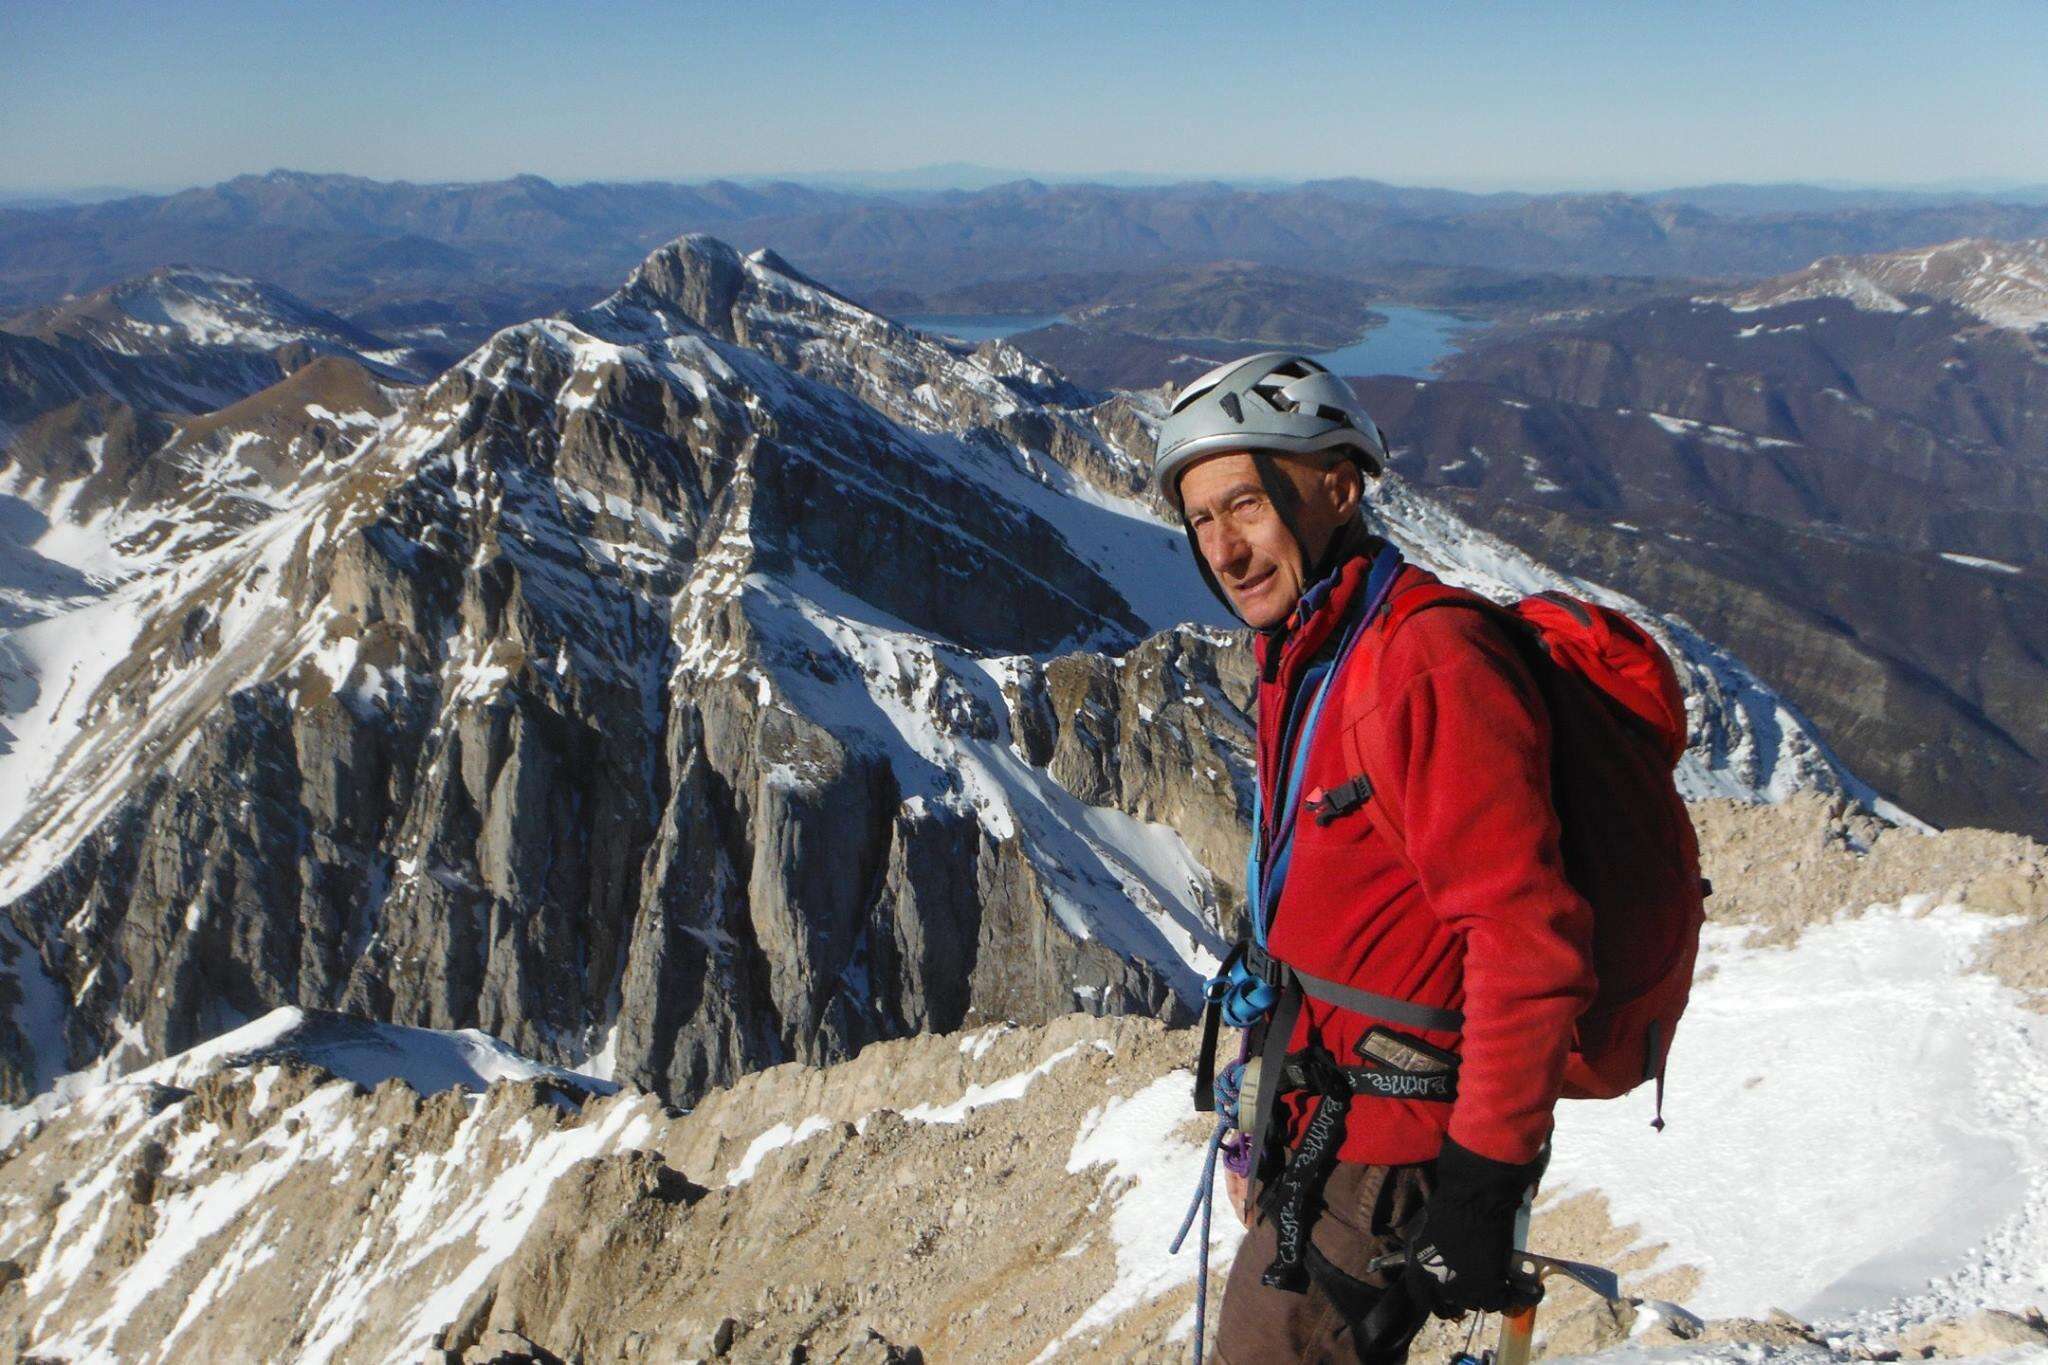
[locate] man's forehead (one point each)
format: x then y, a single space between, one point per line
1217 474
1226 474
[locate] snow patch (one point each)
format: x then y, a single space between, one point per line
1978 562
1855 1120
774 1139
1154 1168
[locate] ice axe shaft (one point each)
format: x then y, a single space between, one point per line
1531 1268
1518 1327
1517 1336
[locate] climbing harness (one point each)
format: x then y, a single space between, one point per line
1251 987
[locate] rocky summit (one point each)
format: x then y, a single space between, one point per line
719 677
322 1189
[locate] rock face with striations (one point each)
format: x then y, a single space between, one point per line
718 677
649 703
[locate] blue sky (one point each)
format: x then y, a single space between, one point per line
1540 96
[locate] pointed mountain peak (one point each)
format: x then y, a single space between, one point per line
707 280
768 260
698 274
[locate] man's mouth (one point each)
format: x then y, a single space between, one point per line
1246 587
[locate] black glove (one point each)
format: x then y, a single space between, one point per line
1458 1256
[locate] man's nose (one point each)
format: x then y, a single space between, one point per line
1227 550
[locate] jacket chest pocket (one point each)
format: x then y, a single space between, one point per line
1341 831
1343 864
1336 817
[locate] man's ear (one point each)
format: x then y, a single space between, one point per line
1344 481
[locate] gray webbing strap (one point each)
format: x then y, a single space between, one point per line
1272 1063
1403 1012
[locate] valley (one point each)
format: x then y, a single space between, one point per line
718 733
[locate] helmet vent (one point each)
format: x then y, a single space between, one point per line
1230 405
1275 394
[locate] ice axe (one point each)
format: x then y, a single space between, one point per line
1529 1269
1518 1329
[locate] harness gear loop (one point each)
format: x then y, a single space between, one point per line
1294 1200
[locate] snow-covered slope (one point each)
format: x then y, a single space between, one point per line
2003 283
1775 1176
182 311
793 678
1856 1116
360 1051
97 495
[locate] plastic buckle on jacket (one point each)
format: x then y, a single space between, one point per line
1339 801
1263 966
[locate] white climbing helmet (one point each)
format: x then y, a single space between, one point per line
1273 401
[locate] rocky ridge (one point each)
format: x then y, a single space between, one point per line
718 677
2002 283
1002 1194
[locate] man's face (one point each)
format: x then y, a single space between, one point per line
1242 536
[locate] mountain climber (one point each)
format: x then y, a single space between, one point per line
1435 954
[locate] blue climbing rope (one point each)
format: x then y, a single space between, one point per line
1229 1082
1204 1204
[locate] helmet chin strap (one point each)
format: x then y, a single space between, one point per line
1286 501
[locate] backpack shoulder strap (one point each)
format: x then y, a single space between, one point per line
1418 600
1399 612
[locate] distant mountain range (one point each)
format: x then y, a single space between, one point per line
1842 472
719 676
349 243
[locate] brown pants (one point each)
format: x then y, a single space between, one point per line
1363 1205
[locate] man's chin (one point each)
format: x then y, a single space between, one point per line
1260 614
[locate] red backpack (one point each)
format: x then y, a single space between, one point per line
1618 728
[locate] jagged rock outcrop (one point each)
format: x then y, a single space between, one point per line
630 695
308 1188
718 677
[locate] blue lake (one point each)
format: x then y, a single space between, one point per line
1408 343
1412 340
978 326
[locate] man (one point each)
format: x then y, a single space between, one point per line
1417 957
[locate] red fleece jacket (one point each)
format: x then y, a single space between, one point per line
1447 887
